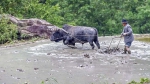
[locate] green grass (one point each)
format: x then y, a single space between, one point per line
145 39
142 81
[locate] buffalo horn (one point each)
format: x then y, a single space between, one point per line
54 29
65 31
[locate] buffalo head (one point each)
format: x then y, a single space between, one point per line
58 35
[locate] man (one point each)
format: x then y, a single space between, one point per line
128 36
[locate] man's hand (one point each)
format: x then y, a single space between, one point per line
124 34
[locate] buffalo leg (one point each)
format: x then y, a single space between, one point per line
72 44
97 43
92 45
82 45
64 41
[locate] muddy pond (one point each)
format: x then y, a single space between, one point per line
55 63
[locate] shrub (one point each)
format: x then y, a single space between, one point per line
7 30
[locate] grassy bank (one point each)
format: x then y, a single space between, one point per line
143 37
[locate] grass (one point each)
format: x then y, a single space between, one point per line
142 81
144 39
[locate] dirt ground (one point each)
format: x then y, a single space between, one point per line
55 63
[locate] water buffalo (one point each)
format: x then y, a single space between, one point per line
76 34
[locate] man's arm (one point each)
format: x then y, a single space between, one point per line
129 30
122 34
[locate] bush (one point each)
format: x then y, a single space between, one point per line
7 30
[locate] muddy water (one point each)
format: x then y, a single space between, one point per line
55 63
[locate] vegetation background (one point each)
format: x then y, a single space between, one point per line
105 15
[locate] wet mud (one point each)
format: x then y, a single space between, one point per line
55 63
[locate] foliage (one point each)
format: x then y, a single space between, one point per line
1 10
142 81
105 15
32 9
42 82
7 30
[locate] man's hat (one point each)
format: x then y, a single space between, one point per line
124 21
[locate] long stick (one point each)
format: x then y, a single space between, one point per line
118 44
110 43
